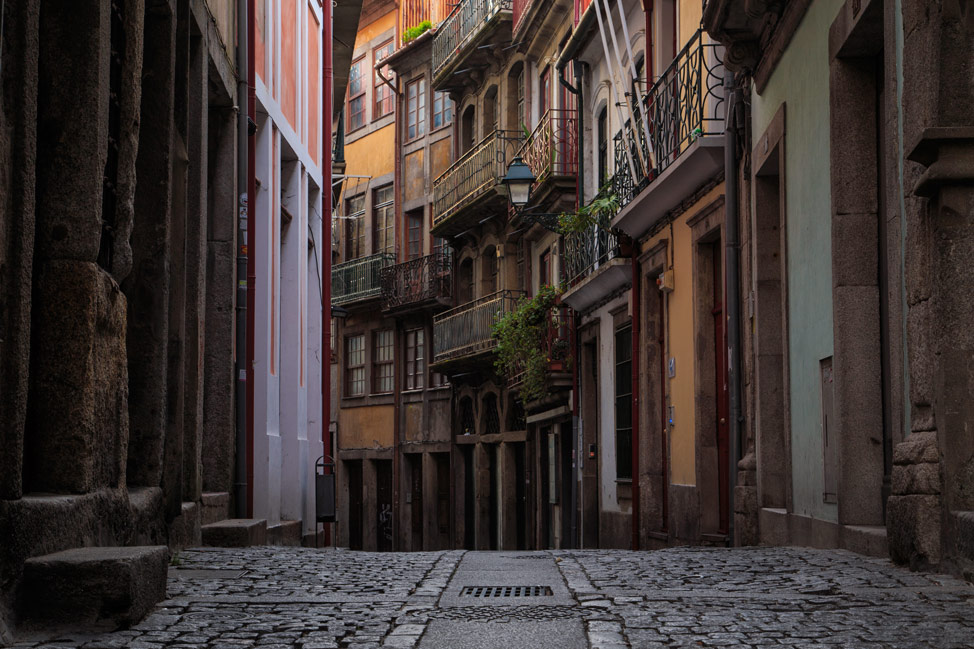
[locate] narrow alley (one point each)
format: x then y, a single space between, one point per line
277 598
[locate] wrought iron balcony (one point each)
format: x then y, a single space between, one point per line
472 179
684 105
417 282
469 24
467 330
358 279
584 252
552 149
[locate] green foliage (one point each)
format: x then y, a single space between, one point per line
413 33
597 213
520 337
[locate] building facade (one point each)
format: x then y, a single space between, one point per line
288 247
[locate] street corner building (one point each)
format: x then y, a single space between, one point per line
753 225
128 152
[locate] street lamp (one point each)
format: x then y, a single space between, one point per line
518 182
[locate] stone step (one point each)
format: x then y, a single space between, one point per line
216 507
235 533
285 533
95 587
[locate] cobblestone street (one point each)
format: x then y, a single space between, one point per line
274 598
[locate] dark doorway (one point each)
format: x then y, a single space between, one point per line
442 464
468 497
589 495
720 387
354 470
414 465
494 499
520 495
383 505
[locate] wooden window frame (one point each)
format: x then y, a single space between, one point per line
445 113
381 93
351 127
415 358
383 369
416 113
352 376
386 234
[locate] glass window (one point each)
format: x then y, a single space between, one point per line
382 92
383 374
545 91
442 109
382 221
603 142
416 109
356 95
415 358
414 226
355 227
623 405
522 122
355 365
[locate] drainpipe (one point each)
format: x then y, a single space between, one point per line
573 332
731 270
251 255
326 198
399 349
240 315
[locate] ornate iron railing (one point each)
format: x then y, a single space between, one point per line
417 280
551 150
463 23
585 251
474 174
358 279
687 101
468 328
684 104
555 343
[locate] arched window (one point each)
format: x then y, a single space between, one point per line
467 420
602 140
467 130
488 278
491 418
490 111
465 281
516 117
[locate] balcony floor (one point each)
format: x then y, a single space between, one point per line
602 282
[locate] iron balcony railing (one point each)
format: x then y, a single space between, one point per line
358 279
417 281
477 172
468 328
463 23
684 104
584 252
552 149
555 343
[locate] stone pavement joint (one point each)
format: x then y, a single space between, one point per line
301 598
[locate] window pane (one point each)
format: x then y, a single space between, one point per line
623 404
383 375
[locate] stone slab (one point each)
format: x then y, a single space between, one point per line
235 533
215 507
285 533
448 634
108 587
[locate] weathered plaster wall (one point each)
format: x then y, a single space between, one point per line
801 81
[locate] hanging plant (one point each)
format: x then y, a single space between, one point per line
597 213
520 338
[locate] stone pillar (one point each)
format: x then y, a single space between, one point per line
77 430
370 507
18 146
196 229
933 475
507 468
218 377
481 463
147 286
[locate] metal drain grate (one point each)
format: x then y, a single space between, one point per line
506 591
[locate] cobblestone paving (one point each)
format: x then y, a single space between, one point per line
272 598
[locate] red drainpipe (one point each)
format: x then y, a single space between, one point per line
326 153
251 248
636 355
